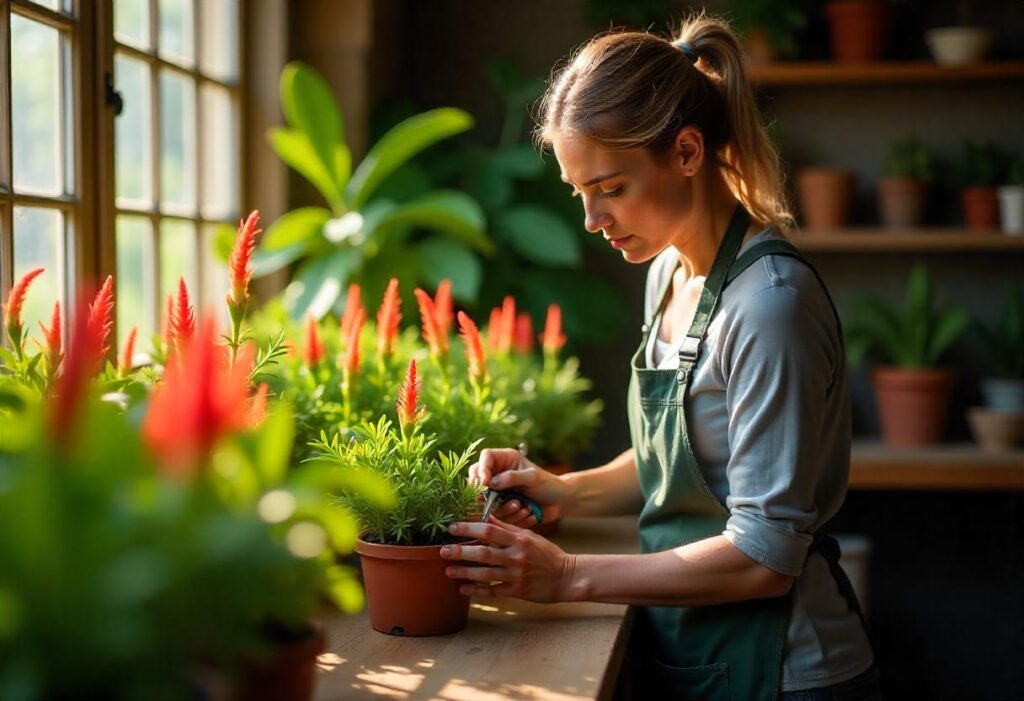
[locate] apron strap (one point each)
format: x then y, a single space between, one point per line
828 547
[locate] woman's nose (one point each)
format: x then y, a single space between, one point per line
595 219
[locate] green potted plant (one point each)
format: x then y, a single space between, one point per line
407 590
980 171
769 28
999 423
857 29
907 170
1011 198
911 390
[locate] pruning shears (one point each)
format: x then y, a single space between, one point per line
493 498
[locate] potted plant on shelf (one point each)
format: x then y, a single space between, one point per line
825 195
961 44
980 171
407 590
901 191
857 29
912 392
999 423
769 28
1011 199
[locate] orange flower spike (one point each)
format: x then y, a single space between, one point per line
443 306
507 326
523 341
314 350
433 333
101 317
388 318
52 336
257 406
351 358
552 339
353 305
239 264
408 398
494 330
182 323
474 348
12 308
125 366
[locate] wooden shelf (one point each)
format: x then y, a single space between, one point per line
950 467
867 240
826 73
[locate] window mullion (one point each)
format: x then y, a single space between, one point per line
6 153
201 262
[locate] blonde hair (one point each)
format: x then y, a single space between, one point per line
637 90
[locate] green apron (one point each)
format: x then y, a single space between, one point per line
709 652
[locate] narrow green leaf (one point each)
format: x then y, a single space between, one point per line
295 149
310 107
298 226
539 235
318 283
948 328
448 212
442 259
275 445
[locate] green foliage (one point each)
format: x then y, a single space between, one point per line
914 337
430 486
364 232
909 158
1005 338
981 165
781 22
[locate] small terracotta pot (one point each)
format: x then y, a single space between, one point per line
407 591
981 208
760 50
287 673
825 195
549 529
996 431
901 202
912 404
857 29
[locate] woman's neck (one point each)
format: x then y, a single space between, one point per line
698 242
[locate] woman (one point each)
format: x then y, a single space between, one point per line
738 402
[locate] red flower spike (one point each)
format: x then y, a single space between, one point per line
182 324
408 398
523 341
79 367
125 366
257 406
314 350
166 330
507 325
433 332
353 305
15 301
474 348
351 359
388 317
52 336
552 339
101 317
201 399
494 330
239 264
443 306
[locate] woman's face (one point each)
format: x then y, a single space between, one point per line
637 201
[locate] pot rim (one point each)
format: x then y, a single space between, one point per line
403 552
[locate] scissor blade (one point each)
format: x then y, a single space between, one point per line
492 499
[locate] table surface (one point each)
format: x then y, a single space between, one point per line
510 649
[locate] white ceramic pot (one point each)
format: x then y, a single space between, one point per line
956 46
1011 208
1001 394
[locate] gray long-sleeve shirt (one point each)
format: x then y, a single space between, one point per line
769 416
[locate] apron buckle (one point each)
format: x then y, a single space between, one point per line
690 349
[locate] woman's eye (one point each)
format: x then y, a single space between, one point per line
612 193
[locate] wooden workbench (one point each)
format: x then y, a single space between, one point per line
510 649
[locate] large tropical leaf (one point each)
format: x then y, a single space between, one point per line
299 226
319 282
442 259
294 148
593 310
539 235
401 143
448 212
309 107
948 328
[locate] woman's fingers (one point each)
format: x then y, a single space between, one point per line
494 531
494 461
483 591
480 574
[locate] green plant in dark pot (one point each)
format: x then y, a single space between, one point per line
907 170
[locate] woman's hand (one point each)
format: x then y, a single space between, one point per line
506 468
516 562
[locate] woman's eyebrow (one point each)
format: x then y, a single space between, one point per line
593 181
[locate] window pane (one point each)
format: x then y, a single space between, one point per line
52 4
177 142
135 287
131 22
218 29
176 42
216 281
38 242
134 143
36 106
178 258
219 153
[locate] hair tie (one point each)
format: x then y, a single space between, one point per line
687 49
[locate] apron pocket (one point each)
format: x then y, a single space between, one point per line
706 683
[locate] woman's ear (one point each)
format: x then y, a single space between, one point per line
689 150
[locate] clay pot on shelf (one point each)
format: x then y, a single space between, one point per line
981 209
996 431
857 29
407 591
901 202
1011 208
287 672
825 195
912 404
958 46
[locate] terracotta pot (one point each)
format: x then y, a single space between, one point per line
901 202
549 529
825 195
857 29
287 673
981 209
760 50
912 404
996 431
407 591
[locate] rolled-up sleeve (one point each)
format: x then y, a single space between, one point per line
781 360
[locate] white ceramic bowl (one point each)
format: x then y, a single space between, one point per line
956 46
